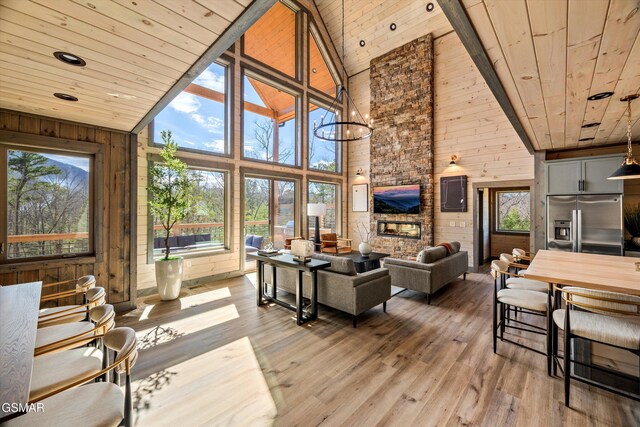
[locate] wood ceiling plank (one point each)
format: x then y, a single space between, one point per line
370 20
98 53
584 34
548 20
511 25
21 102
620 31
31 49
197 13
84 105
228 9
480 19
41 64
178 23
144 24
45 88
629 83
70 80
88 23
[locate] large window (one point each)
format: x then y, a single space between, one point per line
323 155
327 193
48 204
197 117
269 117
320 76
513 211
272 39
204 229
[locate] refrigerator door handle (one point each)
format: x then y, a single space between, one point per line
574 234
579 230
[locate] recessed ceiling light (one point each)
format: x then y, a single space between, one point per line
430 7
586 139
314 70
362 43
393 27
65 96
70 58
601 95
591 125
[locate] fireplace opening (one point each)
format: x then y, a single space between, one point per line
401 229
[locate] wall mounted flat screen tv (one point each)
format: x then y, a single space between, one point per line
396 199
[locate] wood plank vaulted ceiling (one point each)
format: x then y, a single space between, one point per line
135 51
550 55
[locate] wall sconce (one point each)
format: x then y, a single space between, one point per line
359 172
454 158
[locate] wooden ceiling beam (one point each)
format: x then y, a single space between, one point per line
461 23
250 15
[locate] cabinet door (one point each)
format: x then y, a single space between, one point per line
595 173
564 177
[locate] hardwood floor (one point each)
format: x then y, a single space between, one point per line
215 358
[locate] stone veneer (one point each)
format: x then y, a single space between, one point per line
402 143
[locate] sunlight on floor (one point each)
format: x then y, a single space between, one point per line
168 331
192 300
252 278
223 387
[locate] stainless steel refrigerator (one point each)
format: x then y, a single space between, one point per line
590 224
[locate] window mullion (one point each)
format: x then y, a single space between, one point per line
3 209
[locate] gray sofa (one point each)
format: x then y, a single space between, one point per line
433 269
340 286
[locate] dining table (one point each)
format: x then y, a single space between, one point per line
604 272
19 308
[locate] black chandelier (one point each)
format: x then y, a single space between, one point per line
332 127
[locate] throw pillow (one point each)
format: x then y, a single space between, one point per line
340 265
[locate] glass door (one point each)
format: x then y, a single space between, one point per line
256 216
269 214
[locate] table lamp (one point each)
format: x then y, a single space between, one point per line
317 210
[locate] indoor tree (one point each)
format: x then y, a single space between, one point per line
171 189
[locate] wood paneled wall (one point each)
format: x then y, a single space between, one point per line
112 264
468 123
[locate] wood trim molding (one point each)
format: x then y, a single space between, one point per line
461 23
250 15
504 184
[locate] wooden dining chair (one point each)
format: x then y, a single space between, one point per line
608 318
71 288
330 243
522 255
72 335
527 301
519 281
97 404
72 313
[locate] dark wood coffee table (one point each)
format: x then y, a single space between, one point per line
365 263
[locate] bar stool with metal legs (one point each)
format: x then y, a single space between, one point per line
604 317
527 301
520 281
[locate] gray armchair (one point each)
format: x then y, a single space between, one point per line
430 273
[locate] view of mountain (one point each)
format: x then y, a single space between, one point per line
404 199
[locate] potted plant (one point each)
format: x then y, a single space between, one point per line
170 188
632 223
365 236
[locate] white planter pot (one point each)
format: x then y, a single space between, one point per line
365 248
169 278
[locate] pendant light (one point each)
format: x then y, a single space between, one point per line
630 169
354 126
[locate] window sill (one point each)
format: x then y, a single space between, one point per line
48 262
194 254
512 233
